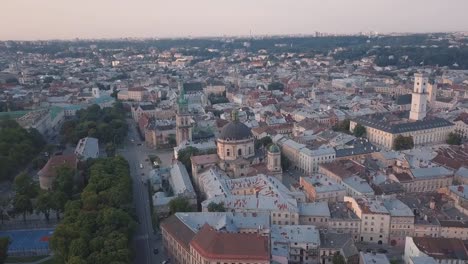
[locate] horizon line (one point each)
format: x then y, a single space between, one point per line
327 34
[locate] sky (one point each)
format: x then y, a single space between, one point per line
69 19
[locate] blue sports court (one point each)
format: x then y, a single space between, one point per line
28 241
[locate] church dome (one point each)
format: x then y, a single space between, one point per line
235 131
273 148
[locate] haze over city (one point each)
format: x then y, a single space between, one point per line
57 19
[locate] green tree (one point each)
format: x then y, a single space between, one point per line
342 126
338 258
285 162
44 204
24 185
4 205
23 205
184 156
4 243
454 139
265 141
64 182
179 204
59 200
403 143
110 149
171 139
359 130
216 207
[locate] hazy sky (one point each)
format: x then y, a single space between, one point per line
53 19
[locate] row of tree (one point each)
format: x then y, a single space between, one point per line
18 147
97 227
29 198
107 124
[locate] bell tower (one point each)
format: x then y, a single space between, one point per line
419 97
183 119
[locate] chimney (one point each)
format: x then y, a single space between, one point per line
432 204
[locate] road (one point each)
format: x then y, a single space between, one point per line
144 239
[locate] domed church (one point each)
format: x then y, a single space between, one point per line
237 155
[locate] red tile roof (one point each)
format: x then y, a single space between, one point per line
178 230
50 169
212 244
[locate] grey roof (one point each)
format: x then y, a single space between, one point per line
356 146
433 172
404 99
235 131
314 209
87 147
380 122
147 107
371 258
462 172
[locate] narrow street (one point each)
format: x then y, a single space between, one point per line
145 241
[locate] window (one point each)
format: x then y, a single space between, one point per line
239 152
228 152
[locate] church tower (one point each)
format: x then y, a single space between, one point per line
183 120
274 159
419 100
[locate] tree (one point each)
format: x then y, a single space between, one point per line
44 204
171 139
454 139
216 207
59 199
4 205
64 182
110 149
265 141
184 156
285 162
338 258
23 205
24 185
179 204
403 143
359 130
342 126
4 243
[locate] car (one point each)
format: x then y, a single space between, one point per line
141 166
368 250
139 144
155 251
165 262
142 173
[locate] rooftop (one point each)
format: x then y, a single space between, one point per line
432 172
442 248
397 124
217 245
314 209
374 258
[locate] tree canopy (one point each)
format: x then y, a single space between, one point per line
403 143
342 126
107 124
4 243
216 207
98 226
184 156
454 139
359 130
18 147
179 204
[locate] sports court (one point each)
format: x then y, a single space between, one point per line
28 241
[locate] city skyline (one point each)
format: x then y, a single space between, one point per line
54 19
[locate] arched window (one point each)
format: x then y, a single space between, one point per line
239 152
228 152
250 150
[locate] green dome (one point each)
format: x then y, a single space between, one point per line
273 148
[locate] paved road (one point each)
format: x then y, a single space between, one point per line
144 239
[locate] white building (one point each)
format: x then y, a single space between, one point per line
87 148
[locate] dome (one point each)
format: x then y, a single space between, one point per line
273 148
235 131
